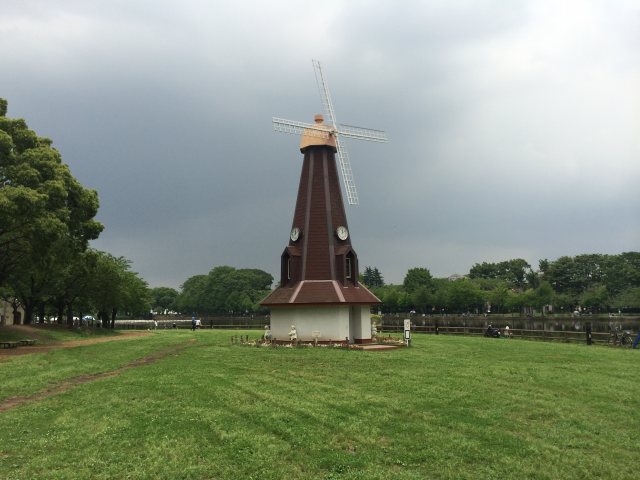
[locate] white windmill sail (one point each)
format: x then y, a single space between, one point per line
349 131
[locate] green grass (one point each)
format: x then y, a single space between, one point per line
449 407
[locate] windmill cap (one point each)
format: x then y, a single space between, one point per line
311 138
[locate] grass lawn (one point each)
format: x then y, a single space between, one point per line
449 407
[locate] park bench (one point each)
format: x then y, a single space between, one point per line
9 344
27 341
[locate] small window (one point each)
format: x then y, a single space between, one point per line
348 268
289 268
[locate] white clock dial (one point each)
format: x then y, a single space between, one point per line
342 232
295 234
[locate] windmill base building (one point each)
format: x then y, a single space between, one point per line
319 290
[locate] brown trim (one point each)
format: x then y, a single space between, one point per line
327 207
307 216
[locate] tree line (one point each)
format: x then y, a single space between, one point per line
47 218
223 291
592 282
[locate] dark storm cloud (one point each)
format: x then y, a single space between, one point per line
514 127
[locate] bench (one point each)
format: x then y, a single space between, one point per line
9 344
27 341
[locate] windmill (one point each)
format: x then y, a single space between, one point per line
334 130
319 291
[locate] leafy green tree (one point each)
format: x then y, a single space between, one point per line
46 215
441 295
596 299
514 272
136 297
422 299
73 286
574 276
541 296
164 298
193 295
225 290
629 298
498 297
622 272
115 288
464 296
516 301
563 302
393 297
416 278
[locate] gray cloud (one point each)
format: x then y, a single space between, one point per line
514 128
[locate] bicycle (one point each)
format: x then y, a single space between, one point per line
622 339
626 340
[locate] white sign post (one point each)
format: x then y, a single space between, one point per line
407 331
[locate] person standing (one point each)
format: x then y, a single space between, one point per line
193 323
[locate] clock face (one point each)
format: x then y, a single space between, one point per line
295 234
342 232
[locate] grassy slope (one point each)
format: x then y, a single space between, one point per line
447 408
49 334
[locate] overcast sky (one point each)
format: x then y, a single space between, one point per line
514 126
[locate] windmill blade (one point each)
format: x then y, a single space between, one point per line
301 128
362 133
324 93
343 157
347 174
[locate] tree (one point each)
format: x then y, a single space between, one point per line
541 296
514 272
192 298
596 298
498 296
574 276
416 278
73 286
225 290
372 278
629 298
464 296
46 215
164 298
422 299
622 272
393 298
116 288
516 301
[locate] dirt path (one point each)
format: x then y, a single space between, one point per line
66 385
31 332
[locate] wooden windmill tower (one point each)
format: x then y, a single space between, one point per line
319 290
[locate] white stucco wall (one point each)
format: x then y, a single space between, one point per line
363 323
333 322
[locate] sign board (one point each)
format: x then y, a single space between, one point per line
407 331
316 334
